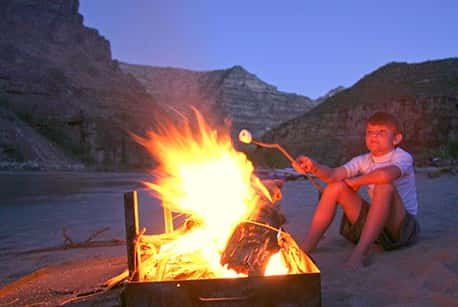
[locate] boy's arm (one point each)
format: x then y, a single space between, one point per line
328 174
305 164
379 176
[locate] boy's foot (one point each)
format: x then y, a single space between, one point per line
305 248
352 265
356 262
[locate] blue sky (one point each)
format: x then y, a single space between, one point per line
305 47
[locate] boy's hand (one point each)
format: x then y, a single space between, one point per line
304 164
351 183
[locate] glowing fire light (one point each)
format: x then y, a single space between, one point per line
201 175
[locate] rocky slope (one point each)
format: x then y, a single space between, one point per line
423 96
232 93
329 94
58 78
64 100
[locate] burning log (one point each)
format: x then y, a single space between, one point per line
293 256
254 241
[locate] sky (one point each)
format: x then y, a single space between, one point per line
304 47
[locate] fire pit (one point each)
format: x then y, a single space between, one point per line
289 289
231 250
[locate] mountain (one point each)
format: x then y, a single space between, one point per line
424 97
232 93
328 94
60 86
65 103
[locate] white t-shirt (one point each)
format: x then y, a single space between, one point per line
405 184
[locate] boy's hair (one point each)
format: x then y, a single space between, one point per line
385 119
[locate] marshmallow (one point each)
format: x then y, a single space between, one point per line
245 136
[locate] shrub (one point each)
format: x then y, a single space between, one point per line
446 151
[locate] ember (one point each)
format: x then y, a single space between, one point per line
202 176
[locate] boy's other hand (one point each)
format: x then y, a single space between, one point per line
304 164
297 167
352 184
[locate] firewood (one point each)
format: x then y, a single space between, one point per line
296 260
253 242
165 268
158 240
248 250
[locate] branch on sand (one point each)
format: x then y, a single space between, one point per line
105 287
69 243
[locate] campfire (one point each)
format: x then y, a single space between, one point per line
229 221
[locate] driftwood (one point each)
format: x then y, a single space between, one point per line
105 287
116 280
254 241
69 243
83 295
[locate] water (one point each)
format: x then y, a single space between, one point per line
35 207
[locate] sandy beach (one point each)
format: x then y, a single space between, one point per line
425 274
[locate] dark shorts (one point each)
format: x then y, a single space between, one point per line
408 233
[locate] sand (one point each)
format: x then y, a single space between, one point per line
425 274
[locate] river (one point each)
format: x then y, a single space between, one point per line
35 207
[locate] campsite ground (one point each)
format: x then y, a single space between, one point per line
425 274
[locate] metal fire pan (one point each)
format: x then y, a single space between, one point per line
281 291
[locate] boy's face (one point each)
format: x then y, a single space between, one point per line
381 139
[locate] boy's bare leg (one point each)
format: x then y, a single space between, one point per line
386 210
337 192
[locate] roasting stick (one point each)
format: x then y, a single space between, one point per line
246 137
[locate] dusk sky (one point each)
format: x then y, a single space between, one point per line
305 47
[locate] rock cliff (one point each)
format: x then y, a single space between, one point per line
423 96
232 93
70 102
57 77
64 100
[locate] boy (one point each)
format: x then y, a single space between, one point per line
388 172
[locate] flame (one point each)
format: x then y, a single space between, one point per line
276 265
200 174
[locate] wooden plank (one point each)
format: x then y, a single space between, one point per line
132 231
